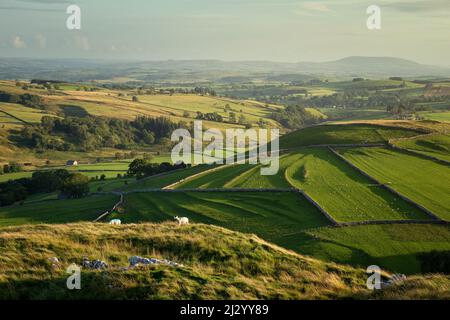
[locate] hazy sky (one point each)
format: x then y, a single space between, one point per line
278 30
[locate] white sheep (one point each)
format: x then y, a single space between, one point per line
182 220
115 221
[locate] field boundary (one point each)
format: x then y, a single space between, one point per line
422 208
14 117
318 207
170 186
383 222
108 212
224 190
391 144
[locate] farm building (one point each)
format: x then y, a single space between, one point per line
71 163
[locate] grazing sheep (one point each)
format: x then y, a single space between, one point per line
182 220
115 221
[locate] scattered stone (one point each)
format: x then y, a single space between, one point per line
55 262
137 260
95 264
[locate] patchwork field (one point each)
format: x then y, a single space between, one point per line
423 181
393 247
56 211
287 218
275 217
75 101
335 186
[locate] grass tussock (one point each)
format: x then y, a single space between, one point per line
217 264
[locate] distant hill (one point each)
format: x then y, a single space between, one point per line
382 66
211 70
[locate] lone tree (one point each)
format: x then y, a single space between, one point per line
75 186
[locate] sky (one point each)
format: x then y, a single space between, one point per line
233 30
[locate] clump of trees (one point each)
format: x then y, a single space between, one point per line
75 185
295 117
212 116
11 167
29 100
71 185
90 133
143 168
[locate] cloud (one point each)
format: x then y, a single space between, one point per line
312 9
18 43
41 41
315 6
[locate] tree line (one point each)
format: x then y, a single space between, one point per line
26 99
90 133
141 168
70 185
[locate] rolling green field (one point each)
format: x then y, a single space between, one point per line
343 134
354 114
276 217
56 211
16 175
436 116
423 181
392 247
158 182
342 191
436 145
252 178
216 179
110 184
339 189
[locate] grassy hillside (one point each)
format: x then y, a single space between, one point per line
217 264
73 100
423 181
394 247
276 217
343 134
436 145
